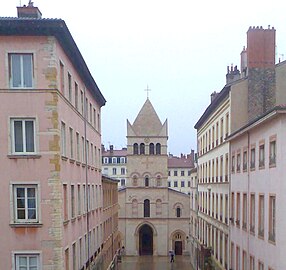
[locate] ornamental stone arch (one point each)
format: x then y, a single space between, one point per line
178 242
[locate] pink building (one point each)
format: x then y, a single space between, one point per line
257 209
50 150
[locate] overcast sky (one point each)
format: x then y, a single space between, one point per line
180 49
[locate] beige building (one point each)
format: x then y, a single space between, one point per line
179 172
114 164
153 219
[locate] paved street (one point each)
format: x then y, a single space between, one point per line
155 263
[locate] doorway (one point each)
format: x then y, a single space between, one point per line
145 240
178 248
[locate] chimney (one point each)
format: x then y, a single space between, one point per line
29 11
213 96
243 62
111 149
261 70
233 74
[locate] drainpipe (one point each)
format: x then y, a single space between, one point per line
86 178
248 149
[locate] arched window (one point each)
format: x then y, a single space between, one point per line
178 212
146 208
146 181
158 149
134 207
158 207
159 181
151 149
135 180
135 149
142 149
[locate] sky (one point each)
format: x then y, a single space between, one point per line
180 49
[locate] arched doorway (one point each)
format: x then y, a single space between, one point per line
145 240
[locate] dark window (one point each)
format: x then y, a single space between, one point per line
151 149
158 149
146 181
135 149
146 208
178 212
142 149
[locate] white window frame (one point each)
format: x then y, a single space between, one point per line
21 54
12 127
26 253
63 139
13 208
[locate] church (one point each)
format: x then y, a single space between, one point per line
153 219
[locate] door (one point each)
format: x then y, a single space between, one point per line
178 248
145 240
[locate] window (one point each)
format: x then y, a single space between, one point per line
169 183
244 210
70 87
158 149
252 212
77 147
232 163
175 173
135 149
27 261
81 101
76 95
175 183
62 78
251 263
244 260
146 181
23 136
272 153
135 181
146 208
71 144
237 258
238 162
158 181
178 212
189 183
65 190
114 171
272 218
142 149
72 202
122 171
151 149
261 155
261 215
232 208
182 173
21 70
78 200
260 265
63 139
114 160
244 160
122 182
252 158
26 203
238 209
182 183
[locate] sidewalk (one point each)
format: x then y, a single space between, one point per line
154 263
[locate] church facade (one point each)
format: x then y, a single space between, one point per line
153 218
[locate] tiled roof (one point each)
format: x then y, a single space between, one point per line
58 29
176 162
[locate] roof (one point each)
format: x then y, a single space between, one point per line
58 29
212 107
115 153
176 162
147 121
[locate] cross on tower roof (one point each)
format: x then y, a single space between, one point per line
147 90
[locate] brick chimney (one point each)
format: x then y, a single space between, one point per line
29 11
261 70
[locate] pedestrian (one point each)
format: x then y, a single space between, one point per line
172 255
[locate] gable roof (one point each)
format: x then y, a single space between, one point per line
147 122
58 29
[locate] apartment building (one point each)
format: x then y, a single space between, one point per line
247 96
179 172
50 152
111 238
114 163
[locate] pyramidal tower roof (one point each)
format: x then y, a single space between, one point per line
147 122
